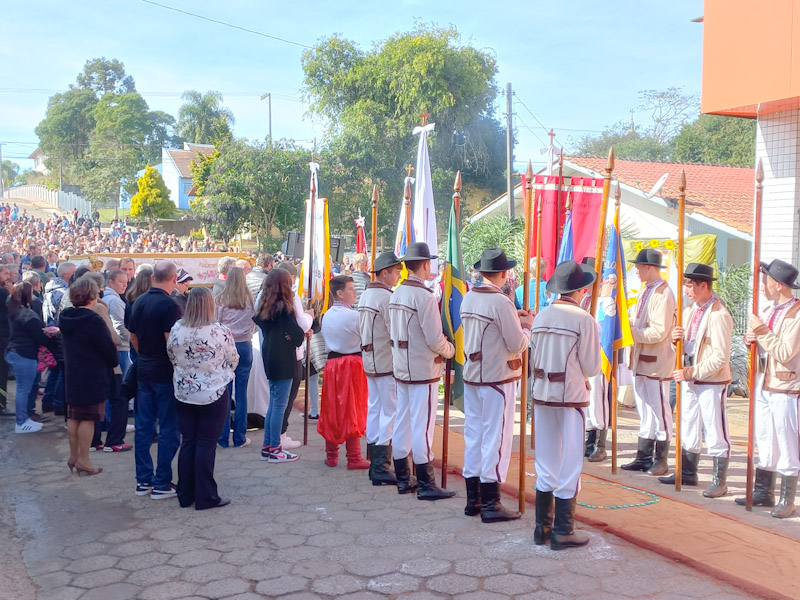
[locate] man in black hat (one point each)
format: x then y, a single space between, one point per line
495 336
777 392
652 362
706 334
419 348
376 353
181 291
565 353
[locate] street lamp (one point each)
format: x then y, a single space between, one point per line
268 98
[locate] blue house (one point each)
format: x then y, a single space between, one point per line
176 172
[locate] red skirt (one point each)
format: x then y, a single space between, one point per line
343 410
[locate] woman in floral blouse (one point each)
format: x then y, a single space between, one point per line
203 355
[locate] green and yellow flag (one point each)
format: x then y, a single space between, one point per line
452 297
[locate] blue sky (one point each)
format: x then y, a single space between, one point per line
577 66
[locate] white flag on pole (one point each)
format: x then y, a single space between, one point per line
424 211
317 278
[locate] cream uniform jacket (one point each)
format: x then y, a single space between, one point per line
782 347
653 354
712 354
373 318
415 328
565 346
493 337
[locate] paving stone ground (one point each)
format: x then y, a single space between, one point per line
297 531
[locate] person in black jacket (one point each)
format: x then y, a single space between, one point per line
89 359
23 350
275 316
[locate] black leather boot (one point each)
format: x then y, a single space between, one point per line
660 462
689 464
763 489
544 517
785 508
473 507
406 482
599 453
644 456
563 535
427 488
492 510
719 479
380 466
589 440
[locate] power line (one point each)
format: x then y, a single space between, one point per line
546 130
531 129
285 97
224 24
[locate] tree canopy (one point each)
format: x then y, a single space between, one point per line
372 99
202 119
103 76
152 200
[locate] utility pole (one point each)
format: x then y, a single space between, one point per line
509 155
268 98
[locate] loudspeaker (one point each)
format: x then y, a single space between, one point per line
294 245
337 249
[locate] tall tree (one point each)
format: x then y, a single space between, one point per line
8 172
373 99
103 76
717 140
202 119
152 200
65 130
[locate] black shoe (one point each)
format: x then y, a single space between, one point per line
660 463
719 479
427 488
689 462
599 453
406 483
380 470
589 441
544 518
222 502
563 535
644 456
492 511
785 507
763 489
473 507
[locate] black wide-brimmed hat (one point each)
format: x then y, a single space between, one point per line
384 261
417 251
589 260
570 277
700 272
494 260
782 272
649 256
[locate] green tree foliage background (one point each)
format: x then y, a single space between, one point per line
152 200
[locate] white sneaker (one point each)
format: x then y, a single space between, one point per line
289 443
28 426
130 428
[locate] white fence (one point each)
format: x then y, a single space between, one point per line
65 201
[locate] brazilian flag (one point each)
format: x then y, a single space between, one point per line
452 296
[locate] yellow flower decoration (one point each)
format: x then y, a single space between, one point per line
669 245
639 246
654 243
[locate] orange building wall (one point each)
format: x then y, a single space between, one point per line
751 56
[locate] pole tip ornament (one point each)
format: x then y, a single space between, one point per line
457 184
617 191
682 182
760 172
610 162
407 191
375 195
529 172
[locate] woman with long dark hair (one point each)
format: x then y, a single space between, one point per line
276 317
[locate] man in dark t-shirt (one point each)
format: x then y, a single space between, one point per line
152 316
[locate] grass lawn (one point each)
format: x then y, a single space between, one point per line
107 214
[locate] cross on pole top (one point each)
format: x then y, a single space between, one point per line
552 135
424 115
409 168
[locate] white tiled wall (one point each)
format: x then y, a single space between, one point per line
778 145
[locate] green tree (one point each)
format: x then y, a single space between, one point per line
493 232
202 119
8 172
717 140
152 200
103 76
628 144
372 100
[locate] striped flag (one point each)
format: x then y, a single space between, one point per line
567 249
452 296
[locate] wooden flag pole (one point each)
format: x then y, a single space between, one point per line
407 205
754 346
614 383
679 320
536 291
310 269
526 303
373 241
601 233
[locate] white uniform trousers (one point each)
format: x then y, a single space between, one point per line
488 430
598 413
652 404
559 450
703 407
777 431
416 417
381 409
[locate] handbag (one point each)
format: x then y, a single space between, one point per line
319 353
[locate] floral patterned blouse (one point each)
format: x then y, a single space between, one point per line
203 359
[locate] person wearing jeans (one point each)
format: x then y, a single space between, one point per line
25 374
241 377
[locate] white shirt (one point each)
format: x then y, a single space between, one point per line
340 329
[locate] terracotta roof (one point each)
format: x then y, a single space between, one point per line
724 193
184 158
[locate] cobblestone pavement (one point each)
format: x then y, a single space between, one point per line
293 531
